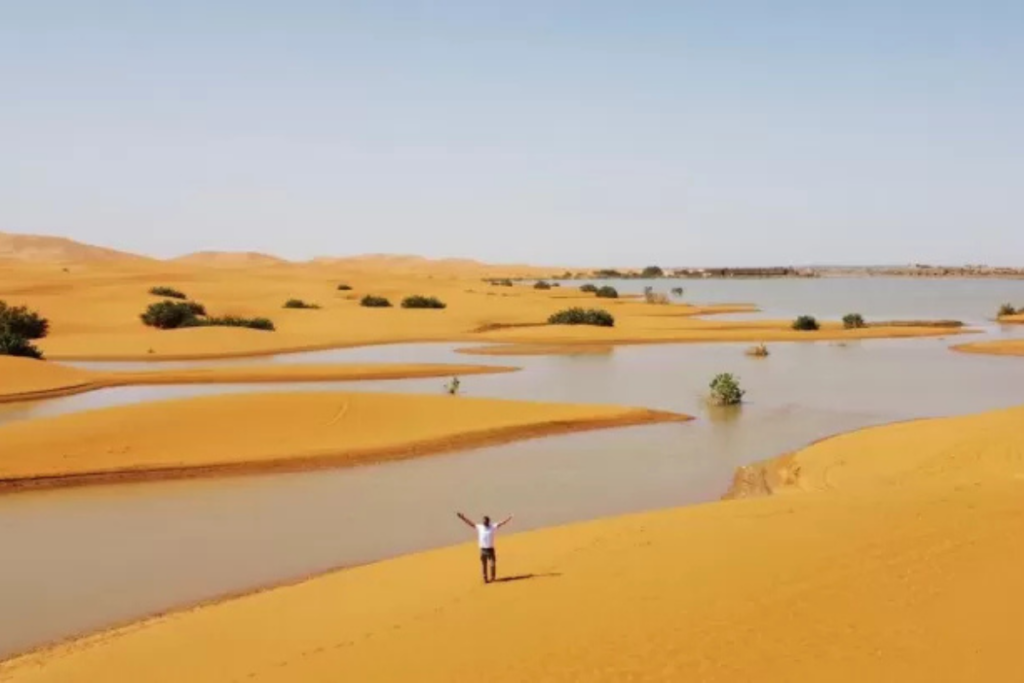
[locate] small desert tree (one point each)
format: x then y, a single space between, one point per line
14 345
852 321
651 272
21 322
805 323
1008 309
608 292
725 390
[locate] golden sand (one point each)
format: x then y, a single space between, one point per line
538 350
94 308
1001 347
23 379
894 557
241 433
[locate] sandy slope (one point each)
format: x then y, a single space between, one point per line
900 561
22 379
94 309
257 432
1001 347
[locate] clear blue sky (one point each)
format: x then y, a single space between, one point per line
592 133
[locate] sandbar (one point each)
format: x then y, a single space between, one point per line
94 310
1000 347
893 555
250 433
25 379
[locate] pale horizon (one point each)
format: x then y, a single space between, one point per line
541 134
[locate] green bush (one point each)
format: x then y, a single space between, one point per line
580 316
370 301
168 292
1008 309
21 322
651 272
299 303
417 301
805 323
169 315
725 390
607 274
853 321
607 292
344 288
589 288
15 345
541 284
265 324
504 282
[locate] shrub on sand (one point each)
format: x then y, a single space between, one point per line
21 322
12 344
169 315
852 321
299 303
758 351
168 292
589 288
725 390
805 323
235 321
541 284
344 288
580 316
371 301
1008 309
608 292
418 301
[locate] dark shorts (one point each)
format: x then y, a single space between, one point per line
487 554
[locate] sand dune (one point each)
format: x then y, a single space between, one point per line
241 433
229 258
896 558
49 249
25 379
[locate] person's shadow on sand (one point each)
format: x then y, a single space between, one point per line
524 577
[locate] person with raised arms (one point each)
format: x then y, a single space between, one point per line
485 539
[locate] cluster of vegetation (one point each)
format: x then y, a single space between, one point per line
852 321
299 303
423 302
371 301
168 292
501 282
607 292
542 284
725 390
581 316
1008 309
651 272
18 326
806 323
608 274
589 288
344 287
171 315
758 351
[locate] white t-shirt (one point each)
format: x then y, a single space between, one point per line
485 535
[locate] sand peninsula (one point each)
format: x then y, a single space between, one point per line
999 347
25 379
94 302
251 433
887 554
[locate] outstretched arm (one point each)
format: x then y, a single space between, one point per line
504 522
465 519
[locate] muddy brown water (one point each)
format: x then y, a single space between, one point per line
82 559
